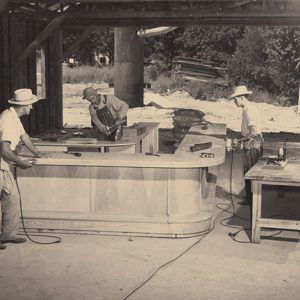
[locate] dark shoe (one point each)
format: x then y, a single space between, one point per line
245 202
2 247
14 241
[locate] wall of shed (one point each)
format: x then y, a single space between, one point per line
15 35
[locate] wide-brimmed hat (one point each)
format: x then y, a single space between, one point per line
88 92
239 91
23 97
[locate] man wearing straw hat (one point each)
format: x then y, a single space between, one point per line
251 129
11 133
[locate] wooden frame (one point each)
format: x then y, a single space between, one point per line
257 221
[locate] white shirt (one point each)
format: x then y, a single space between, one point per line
11 130
251 116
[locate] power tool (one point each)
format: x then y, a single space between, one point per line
106 117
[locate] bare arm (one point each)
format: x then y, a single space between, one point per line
28 143
9 155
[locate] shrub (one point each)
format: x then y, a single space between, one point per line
165 84
206 90
88 74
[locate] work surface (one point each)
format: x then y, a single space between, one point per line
290 173
183 157
87 138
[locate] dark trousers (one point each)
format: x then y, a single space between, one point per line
252 156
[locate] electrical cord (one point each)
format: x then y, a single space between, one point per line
57 239
232 235
174 259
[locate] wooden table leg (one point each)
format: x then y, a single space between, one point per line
256 211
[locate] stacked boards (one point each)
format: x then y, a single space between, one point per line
184 119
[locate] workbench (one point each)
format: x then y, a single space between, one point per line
164 195
144 142
259 176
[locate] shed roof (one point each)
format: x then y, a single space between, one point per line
157 12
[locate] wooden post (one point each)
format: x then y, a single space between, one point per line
54 81
41 37
298 109
2 5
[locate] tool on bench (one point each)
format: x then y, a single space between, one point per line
78 154
202 146
276 162
154 154
114 128
58 138
207 155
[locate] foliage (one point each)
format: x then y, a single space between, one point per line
163 49
206 90
164 84
266 59
215 43
88 74
263 58
98 42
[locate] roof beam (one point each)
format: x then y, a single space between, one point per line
78 41
41 37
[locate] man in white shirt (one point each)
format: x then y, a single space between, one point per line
11 133
251 129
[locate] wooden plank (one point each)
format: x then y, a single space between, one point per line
78 41
256 211
280 224
41 37
31 74
54 73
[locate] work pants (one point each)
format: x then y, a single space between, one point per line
9 206
251 157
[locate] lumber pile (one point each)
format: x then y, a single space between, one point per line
196 69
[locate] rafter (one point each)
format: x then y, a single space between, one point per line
41 37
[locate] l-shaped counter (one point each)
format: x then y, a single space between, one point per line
131 190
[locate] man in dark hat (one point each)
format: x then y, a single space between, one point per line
11 133
117 109
251 129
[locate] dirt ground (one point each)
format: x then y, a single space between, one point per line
276 119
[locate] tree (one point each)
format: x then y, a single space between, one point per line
99 41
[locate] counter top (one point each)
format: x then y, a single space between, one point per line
92 142
182 158
290 173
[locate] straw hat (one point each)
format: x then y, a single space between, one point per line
23 97
239 91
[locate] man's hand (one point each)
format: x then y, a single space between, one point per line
119 122
27 163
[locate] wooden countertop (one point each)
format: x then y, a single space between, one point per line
91 142
291 173
183 157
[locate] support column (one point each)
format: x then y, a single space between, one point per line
129 66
